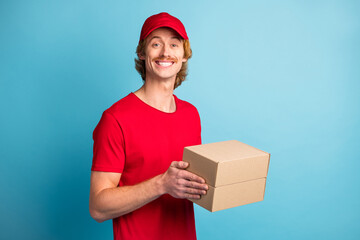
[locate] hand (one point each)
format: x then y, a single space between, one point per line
180 183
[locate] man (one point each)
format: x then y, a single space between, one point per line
138 178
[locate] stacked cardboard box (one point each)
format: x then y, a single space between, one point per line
234 171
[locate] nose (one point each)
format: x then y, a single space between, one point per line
165 50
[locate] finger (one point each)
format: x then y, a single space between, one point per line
192 196
195 191
183 193
192 184
192 177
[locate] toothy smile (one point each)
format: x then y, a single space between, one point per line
164 63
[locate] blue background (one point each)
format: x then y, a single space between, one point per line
282 76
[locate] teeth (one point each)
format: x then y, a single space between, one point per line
165 64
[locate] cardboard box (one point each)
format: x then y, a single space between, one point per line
234 171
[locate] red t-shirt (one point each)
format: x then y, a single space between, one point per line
140 142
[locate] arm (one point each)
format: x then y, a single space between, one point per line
108 201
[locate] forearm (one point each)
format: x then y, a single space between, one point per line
108 201
114 202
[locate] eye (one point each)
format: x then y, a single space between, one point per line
174 45
156 45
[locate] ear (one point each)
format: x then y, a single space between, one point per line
141 57
184 60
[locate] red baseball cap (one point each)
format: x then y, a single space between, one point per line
162 20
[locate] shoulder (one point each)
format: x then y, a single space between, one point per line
113 118
126 109
124 104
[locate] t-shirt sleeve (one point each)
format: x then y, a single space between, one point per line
108 150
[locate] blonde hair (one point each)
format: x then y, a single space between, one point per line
181 75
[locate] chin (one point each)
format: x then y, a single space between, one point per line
166 76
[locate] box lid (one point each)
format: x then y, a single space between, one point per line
227 162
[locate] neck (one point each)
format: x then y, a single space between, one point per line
158 94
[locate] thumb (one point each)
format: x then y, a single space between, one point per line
180 164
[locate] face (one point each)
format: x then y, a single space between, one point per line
164 54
